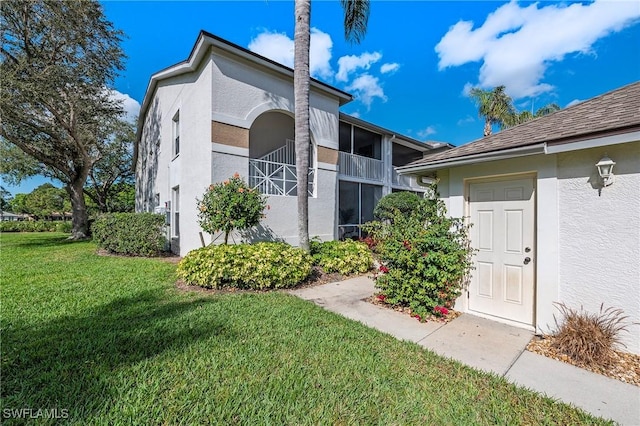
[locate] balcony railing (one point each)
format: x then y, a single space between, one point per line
360 167
271 178
403 180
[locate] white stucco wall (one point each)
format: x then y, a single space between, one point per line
599 246
281 218
242 91
158 170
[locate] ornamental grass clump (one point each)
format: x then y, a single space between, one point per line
589 338
425 258
260 266
230 205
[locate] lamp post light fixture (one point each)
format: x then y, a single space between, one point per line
605 170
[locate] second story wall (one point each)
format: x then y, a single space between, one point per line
241 91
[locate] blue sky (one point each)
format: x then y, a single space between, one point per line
418 59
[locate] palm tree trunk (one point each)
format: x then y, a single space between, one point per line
301 83
487 127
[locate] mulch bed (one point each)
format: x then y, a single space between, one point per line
165 256
407 311
623 366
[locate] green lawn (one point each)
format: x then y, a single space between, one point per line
113 342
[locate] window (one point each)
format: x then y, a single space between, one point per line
175 205
356 203
355 140
176 134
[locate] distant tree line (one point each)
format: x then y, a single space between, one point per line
49 202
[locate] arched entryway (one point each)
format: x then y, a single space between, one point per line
272 159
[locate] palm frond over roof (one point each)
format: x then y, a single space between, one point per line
609 114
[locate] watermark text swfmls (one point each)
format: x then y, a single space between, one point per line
35 413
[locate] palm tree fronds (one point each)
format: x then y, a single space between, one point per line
356 19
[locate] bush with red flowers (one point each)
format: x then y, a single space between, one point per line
425 258
230 205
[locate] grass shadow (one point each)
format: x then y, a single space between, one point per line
37 239
70 363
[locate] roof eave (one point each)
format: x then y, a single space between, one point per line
472 159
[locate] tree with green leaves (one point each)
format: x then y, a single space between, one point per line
495 106
57 62
5 199
113 172
524 116
42 202
230 205
356 18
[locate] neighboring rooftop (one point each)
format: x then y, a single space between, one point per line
609 114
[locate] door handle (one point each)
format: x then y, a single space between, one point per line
527 260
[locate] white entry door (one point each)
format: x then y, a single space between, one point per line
502 232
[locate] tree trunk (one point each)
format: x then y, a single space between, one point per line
301 82
79 218
487 127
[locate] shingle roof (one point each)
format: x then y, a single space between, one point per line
613 112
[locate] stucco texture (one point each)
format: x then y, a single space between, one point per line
599 233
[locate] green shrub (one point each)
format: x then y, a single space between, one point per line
64 227
230 205
389 205
265 265
345 257
135 234
425 258
35 226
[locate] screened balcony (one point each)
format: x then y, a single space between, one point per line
361 167
360 153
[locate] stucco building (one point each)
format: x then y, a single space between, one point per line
546 225
227 110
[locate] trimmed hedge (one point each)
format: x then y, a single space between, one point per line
265 265
345 257
135 234
35 226
389 205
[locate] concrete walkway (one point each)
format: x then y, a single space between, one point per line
486 345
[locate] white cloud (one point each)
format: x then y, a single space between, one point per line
466 120
275 46
389 67
350 63
574 102
130 105
279 47
516 44
320 54
424 133
355 114
366 88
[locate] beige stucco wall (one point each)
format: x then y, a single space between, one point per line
599 244
587 243
453 188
